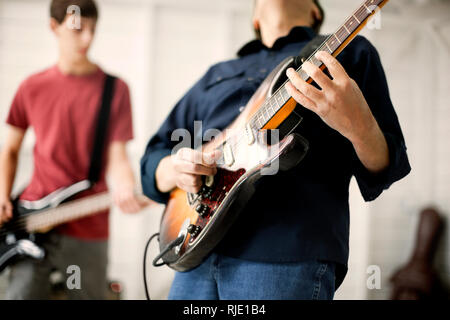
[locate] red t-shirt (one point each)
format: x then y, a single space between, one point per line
62 109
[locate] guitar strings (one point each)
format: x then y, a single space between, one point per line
20 223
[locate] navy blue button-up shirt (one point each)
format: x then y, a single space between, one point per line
301 214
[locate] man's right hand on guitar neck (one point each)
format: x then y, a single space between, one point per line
185 168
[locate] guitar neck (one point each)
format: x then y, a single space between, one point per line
68 211
334 44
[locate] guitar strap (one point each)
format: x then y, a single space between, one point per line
101 130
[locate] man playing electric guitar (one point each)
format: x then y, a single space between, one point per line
61 103
291 239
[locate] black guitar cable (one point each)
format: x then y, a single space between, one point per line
155 263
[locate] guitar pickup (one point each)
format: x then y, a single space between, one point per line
228 155
249 134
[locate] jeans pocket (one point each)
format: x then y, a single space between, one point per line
322 268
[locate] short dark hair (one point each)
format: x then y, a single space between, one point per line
58 8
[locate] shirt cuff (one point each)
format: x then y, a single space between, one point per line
372 185
149 163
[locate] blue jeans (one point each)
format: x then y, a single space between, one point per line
224 278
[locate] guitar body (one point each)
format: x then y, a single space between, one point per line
16 242
19 236
204 218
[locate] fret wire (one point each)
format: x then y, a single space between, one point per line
254 120
341 35
274 104
335 45
362 14
282 99
275 96
285 94
347 29
277 104
373 3
271 104
270 112
352 25
260 117
279 101
259 114
280 92
261 124
332 44
358 13
337 38
267 114
271 108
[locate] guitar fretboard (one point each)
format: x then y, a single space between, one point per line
67 212
333 45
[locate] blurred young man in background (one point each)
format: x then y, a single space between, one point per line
61 104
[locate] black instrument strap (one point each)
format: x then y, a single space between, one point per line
101 130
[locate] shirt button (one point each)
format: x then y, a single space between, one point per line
241 108
218 78
263 70
250 79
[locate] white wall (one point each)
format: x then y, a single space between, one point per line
160 47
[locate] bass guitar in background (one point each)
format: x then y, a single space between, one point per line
18 236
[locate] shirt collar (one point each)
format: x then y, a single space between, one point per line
297 34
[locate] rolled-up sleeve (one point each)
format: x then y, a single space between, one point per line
368 72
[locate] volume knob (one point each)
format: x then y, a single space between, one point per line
194 230
202 210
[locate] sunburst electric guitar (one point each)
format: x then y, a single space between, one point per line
193 224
